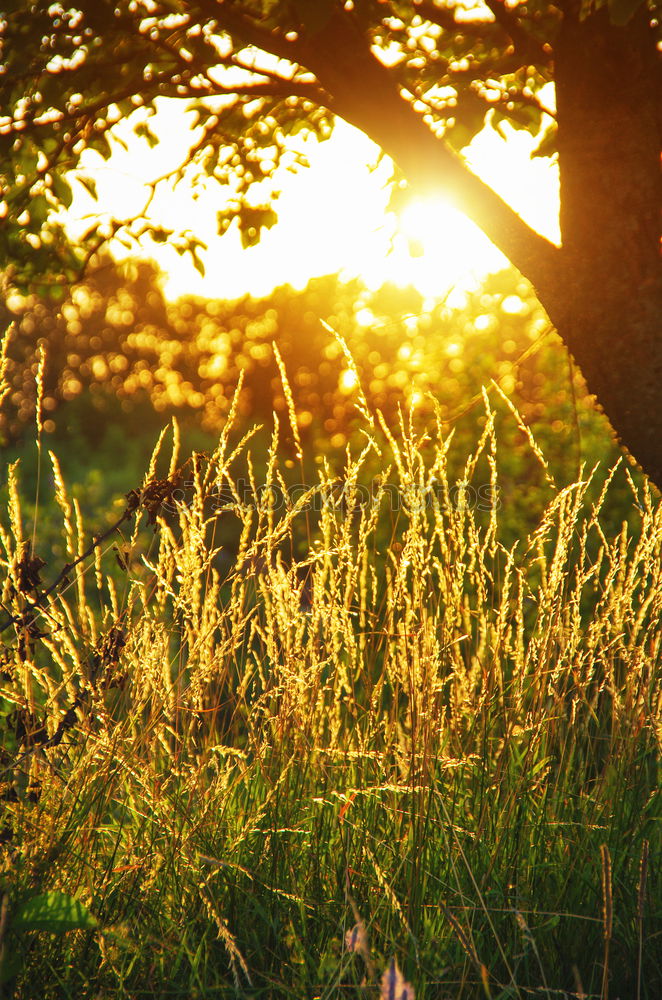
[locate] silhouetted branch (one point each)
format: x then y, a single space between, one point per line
150 499
38 607
527 46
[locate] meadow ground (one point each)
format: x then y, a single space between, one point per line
286 739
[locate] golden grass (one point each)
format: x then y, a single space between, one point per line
283 700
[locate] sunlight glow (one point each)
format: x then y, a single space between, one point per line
446 243
333 215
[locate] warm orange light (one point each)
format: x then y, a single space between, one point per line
333 216
448 246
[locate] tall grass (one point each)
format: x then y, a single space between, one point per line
288 742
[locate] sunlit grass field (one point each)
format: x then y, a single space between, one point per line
318 739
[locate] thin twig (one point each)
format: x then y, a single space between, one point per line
97 540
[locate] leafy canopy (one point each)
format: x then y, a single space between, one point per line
253 72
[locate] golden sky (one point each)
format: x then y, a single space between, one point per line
333 214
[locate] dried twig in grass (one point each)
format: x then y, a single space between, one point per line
641 901
607 915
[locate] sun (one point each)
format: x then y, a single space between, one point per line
334 215
445 247
435 229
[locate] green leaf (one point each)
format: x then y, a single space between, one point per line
202 111
160 235
38 213
101 144
622 11
90 186
198 263
27 159
143 131
252 220
52 911
7 140
547 144
62 189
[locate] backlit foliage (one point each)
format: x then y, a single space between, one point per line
117 336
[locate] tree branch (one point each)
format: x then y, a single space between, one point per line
271 89
364 93
505 25
445 18
40 607
150 499
526 46
239 26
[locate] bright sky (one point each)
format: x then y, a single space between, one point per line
332 215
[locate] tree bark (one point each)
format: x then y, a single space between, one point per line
609 88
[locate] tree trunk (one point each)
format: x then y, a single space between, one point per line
609 87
